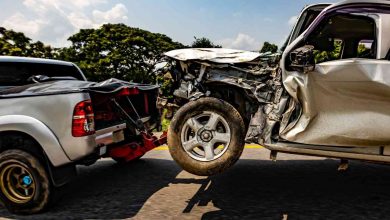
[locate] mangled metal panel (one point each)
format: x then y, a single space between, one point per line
216 55
246 70
344 103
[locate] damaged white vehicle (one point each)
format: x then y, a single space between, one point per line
327 94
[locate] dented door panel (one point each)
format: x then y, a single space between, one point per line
344 103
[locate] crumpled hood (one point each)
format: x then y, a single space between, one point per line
71 86
217 55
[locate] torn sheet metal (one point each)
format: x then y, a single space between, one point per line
216 55
254 72
344 103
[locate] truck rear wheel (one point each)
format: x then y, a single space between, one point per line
206 136
24 183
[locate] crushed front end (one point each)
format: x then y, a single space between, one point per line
250 81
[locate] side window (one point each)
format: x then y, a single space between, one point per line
366 49
344 36
17 73
12 75
335 54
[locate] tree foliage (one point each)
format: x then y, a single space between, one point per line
268 47
204 43
323 56
14 43
119 51
362 49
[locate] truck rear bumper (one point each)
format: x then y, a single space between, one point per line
122 150
110 135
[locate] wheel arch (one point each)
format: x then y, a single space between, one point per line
13 140
35 130
235 95
22 141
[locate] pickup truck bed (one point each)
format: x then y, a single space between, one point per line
50 123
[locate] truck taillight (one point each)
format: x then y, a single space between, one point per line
83 123
128 91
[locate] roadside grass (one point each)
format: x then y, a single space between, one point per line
164 121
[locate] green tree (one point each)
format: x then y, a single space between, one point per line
40 50
204 43
362 50
14 43
119 51
268 47
323 56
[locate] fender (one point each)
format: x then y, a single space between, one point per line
40 132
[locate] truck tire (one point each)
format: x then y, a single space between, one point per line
206 136
25 185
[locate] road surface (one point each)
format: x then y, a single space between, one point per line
294 187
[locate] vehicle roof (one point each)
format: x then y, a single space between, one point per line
317 4
33 60
347 2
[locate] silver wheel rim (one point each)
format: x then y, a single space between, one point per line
206 136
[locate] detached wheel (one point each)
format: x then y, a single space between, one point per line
24 183
206 136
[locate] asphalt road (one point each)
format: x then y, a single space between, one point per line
294 187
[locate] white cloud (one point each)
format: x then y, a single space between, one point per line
84 3
80 20
43 5
53 21
21 23
116 14
292 21
242 42
35 6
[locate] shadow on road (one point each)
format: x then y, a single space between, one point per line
298 189
301 189
109 191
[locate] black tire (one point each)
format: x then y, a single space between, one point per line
40 196
234 149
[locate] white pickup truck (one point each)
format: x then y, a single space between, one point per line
52 119
326 94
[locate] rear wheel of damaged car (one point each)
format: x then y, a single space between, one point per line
25 187
206 136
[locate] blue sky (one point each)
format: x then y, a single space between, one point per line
244 24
